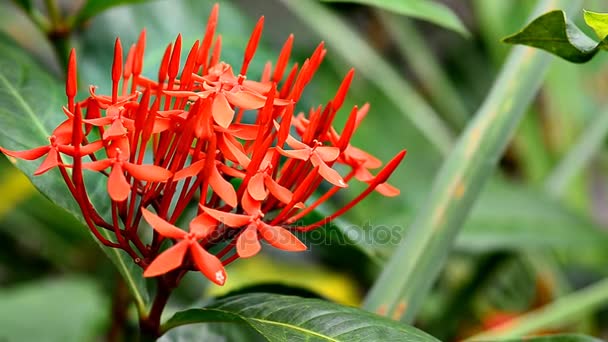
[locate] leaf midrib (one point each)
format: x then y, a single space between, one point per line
23 104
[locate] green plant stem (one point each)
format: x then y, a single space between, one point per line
367 61
426 68
567 309
405 281
149 325
53 10
579 156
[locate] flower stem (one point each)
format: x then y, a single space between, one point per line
149 325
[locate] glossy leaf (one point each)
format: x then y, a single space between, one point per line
419 258
52 310
432 11
554 33
289 318
30 107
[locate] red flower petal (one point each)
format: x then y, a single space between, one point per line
64 129
248 243
281 193
222 187
328 153
160 125
227 170
163 227
387 190
32 154
190 171
91 148
370 161
280 238
296 154
362 174
245 99
234 149
116 130
203 225
209 265
148 173
118 187
250 205
296 144
229 219
256 187
51 160
168 260
99 121
222 112
327 172
98 165
259 87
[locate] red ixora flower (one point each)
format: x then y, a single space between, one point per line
203 133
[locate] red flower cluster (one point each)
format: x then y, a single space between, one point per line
206 135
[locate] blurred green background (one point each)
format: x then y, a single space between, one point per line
537 233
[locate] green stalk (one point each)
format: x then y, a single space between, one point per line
356 52
564 310
580 155
403 285
425 66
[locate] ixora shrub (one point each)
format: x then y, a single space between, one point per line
208 136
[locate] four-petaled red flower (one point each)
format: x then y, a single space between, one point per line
172 258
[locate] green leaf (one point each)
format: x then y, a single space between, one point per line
550 338
289 318
30 108
93 7
419 258
52 310
431 11
598 22
554 33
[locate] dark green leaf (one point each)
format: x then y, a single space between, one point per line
52 310
554 33
93 7
30 107
550 338
288 318
431 11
